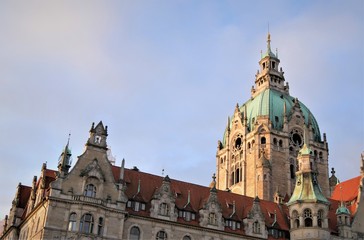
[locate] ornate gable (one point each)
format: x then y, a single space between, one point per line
163 203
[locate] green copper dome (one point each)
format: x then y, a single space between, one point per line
271 103
342 210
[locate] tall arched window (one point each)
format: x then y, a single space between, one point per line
263 140
100 226
87 223
134 233
296 219
280 143
90 190
161 235
233 178
237 176
72 222
307 217
320 216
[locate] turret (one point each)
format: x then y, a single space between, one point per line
308 207
98 137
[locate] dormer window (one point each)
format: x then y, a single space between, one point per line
264 65
136 206
212 219
164 209
90 190
232 224
256 227
186 215
273 65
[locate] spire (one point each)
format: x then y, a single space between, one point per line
65 161
122 170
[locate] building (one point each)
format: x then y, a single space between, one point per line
248 198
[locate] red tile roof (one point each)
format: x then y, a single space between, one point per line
347 192
198 196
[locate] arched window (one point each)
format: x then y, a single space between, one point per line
280 143
134 233
275 141
291 168
320 155
87 223
164 209
161 235
237 176
296 219
307 217
72 222
249 145
186 237
263 140
320 216
90 190
100 226
232 178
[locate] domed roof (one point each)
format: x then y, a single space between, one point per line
342 210
270 102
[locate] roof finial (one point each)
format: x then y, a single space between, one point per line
268 41
68 140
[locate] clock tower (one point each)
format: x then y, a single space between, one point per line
258 152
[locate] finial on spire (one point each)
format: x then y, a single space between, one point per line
268 43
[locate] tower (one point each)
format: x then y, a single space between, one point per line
308 207
270 125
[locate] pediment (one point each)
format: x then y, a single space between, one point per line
93 169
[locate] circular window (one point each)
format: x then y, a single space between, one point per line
296 138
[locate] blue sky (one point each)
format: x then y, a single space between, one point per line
165 75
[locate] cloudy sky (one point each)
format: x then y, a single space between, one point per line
164 76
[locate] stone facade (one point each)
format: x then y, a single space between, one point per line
250 198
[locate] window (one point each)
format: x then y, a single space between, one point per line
100 226
296 219
163 209
275 143
280 143
134 233
90 190
263 140
237 176
87 223
71 222
307 216
186 215
256 227
232 224
186 237
161 235
291 168
212 219
320 215
238 143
